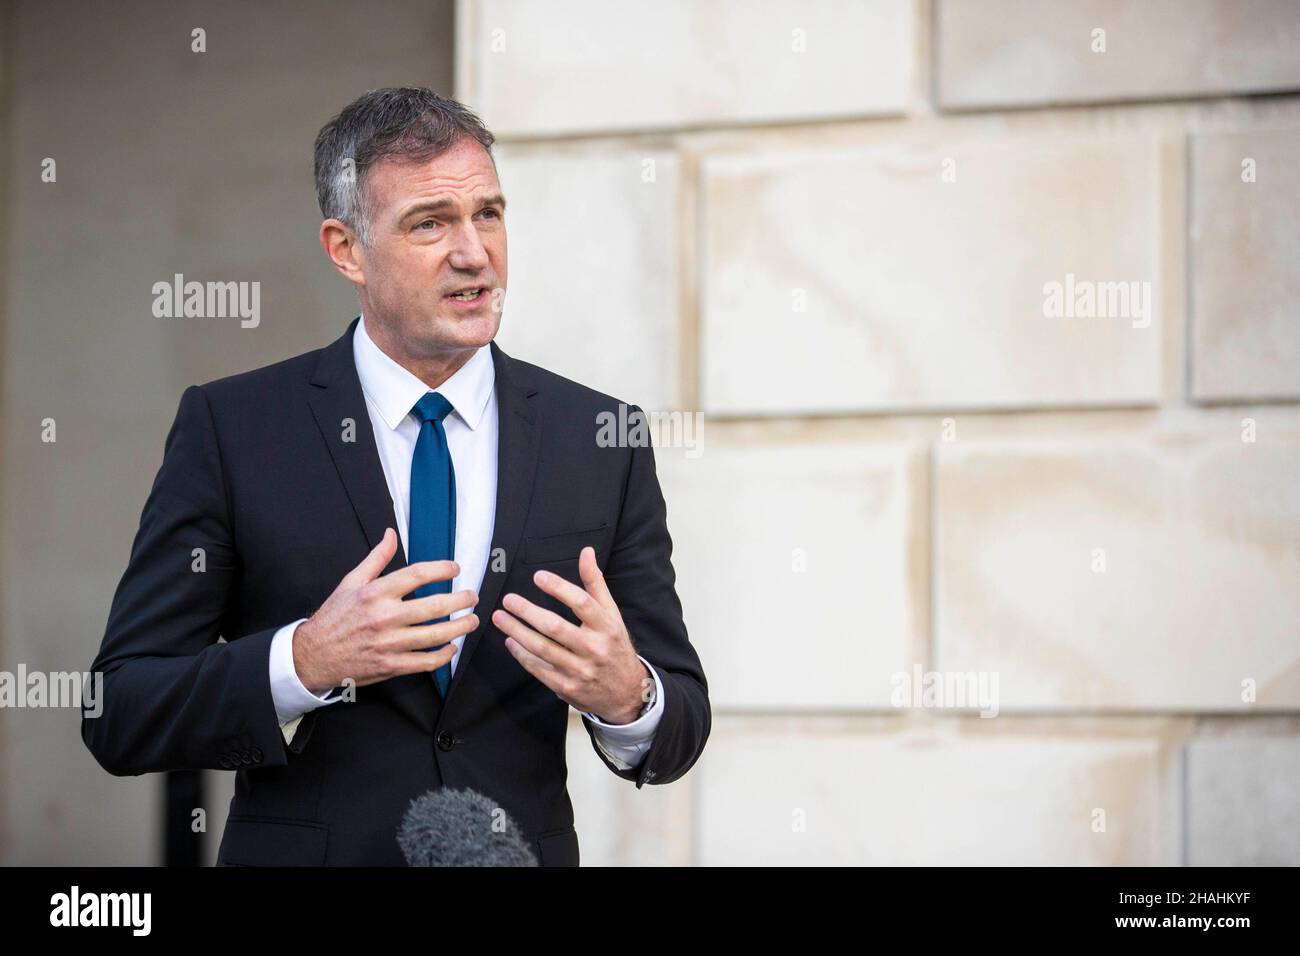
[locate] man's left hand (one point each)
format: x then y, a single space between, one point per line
593 667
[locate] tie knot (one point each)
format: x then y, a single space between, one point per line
432 408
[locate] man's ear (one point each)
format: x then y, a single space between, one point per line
344 250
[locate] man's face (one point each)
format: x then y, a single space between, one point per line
436 228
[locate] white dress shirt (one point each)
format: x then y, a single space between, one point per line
391 392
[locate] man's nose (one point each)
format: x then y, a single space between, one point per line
468 252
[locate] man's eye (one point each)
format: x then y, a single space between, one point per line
427 222
492 212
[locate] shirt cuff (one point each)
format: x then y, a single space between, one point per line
630 742
291 698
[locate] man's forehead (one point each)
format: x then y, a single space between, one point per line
442 177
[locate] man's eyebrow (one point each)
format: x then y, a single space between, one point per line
441 205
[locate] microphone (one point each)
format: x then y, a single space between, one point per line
460 828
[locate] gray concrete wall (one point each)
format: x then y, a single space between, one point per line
168 161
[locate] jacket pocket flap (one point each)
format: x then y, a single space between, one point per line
268 841
561 547
558 848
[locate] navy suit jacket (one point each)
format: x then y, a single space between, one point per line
258 473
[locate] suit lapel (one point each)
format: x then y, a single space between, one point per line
335 398
339 405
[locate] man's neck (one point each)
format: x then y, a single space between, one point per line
433 370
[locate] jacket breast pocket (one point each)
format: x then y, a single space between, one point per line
566 546
272 841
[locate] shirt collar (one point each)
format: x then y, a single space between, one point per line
394 389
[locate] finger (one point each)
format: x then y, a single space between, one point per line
536 644
423 637
593 578
544 672
416 662
545 622
589 610
373 564
433 606
405 580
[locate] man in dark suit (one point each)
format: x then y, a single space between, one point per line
534 570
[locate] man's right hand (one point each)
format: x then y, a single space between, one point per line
365 631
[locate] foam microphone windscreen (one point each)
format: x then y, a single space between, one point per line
460 828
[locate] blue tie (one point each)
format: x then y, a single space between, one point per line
432 532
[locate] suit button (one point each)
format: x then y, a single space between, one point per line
223 762
257 755
446 741
246 758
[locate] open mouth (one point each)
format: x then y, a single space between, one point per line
468 295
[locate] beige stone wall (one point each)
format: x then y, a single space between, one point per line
828 227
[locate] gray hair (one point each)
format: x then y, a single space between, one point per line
411 123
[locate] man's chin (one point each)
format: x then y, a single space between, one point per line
468 330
